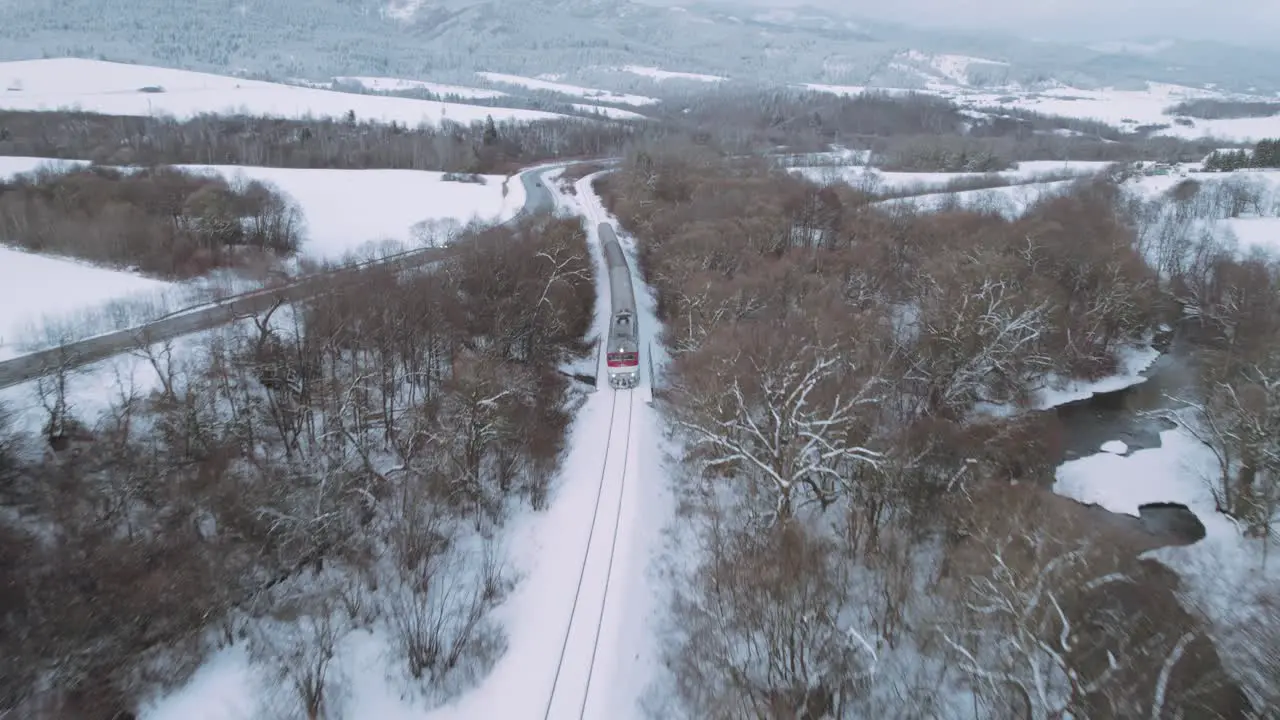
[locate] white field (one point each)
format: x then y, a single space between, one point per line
346 213
656 74
386 84
1126 109
571 90
1251 231
624 597
1011 202
12 165
115 89
35 289
608 112
346 210
869 177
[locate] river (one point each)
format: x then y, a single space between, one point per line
1131 416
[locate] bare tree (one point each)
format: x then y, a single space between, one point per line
764 631
789 417
299 649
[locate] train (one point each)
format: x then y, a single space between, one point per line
622 346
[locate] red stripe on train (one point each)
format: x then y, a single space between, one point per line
624 363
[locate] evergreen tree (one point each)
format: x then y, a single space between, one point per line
1266 154
490 131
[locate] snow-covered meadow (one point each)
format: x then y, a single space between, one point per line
140 90
42 295
386 84
1125 109
346 210
347 214
1028 183
873 179
658 74
567 89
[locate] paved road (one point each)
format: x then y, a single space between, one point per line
538 199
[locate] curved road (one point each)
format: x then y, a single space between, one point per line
203 317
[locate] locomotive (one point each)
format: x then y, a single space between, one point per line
623 343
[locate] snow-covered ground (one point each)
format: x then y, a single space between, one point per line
1133 362
927 191
864 176
1262 233
608 112
1011 201
142 90
346 210
1126 109
658 74
12 165
565 89
54 293
386 84
1257 228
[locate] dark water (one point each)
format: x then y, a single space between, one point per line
1173 521
1132 416
1127 415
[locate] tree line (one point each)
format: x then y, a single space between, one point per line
913 132
879 531
160 220
1265 154
315 470
1212 109
351 143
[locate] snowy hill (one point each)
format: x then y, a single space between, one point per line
122 89
447 40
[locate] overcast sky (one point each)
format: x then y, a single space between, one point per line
1246 20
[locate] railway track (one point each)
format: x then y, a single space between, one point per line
579 651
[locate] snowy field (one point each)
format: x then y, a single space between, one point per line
566 89
1129 109
1257 228
864 176
36 290
1126 109
654 73
926 189
10 165
1011 201
141 90
386 84
608 112
347 210
346 213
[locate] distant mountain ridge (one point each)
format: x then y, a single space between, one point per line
450 39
